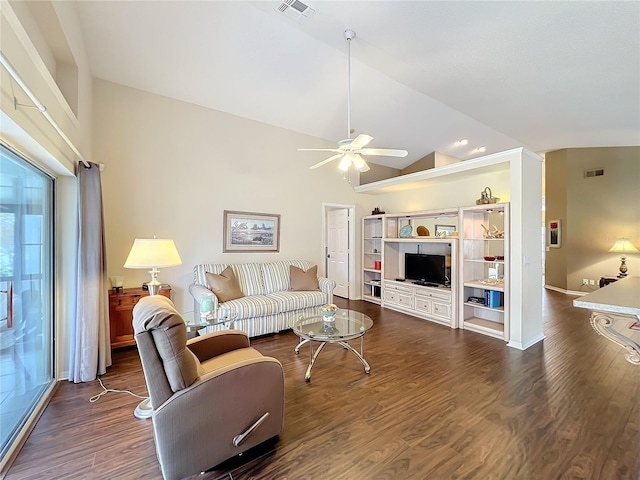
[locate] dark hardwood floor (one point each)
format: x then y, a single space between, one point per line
438 404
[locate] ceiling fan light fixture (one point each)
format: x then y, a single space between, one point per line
360 164
345 163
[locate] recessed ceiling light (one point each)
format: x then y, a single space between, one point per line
463 141
481 149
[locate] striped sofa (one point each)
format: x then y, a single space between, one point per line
268 305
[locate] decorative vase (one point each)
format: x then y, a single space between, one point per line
328 328
328 317
206 307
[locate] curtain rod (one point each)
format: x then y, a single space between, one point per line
6 64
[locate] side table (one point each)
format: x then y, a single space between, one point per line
606 280
121 305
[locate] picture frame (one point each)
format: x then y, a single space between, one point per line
445 230
251 232
554 233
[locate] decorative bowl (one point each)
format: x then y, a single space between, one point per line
489 258
405 232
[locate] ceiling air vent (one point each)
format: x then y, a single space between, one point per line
596 172
296 10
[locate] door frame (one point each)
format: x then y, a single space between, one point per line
326 208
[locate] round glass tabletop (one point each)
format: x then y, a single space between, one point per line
347 324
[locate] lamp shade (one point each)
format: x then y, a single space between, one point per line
153 252
623 245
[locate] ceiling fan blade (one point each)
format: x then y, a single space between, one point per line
361 140
384 152
360 164
327 160
319 150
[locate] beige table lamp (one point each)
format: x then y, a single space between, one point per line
153 253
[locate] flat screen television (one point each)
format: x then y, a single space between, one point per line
426 268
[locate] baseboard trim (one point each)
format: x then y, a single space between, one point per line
566 292
530 343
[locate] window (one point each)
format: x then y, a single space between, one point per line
26 298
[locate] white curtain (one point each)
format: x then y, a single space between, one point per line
90 352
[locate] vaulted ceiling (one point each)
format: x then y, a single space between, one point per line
424 74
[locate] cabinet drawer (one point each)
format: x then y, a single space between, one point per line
398 288
423 304
442 296
398 298
390 296
405 300
125 300
441 310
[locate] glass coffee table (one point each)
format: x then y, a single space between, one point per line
347 325
221 317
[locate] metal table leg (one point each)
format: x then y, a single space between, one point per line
367 368
302 342
312 359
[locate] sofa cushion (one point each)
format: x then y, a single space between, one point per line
250 278
263 305
252 306
301 280
225 285
288 301
276 274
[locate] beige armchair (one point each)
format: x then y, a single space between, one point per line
213 396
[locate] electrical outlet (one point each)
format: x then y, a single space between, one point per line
592 282
585 281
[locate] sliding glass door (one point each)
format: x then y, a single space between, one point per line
26 298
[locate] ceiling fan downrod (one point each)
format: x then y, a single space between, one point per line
349 35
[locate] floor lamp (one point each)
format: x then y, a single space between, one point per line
151 253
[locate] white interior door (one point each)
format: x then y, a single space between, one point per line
338 250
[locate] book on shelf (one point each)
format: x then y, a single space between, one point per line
492 298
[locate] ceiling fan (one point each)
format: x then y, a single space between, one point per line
351 150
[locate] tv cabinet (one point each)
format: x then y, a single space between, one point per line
430 303
437 304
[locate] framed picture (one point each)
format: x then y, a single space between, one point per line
445 230
251 232
554 233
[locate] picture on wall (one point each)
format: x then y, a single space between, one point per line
251 232
554 234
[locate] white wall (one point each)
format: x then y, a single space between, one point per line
172 168
459 193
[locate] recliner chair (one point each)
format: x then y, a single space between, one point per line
213 396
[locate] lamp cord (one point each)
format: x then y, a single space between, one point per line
106 390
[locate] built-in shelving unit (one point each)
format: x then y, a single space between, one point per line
434 221
484 269
516 177
372 261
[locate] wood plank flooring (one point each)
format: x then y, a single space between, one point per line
438 404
